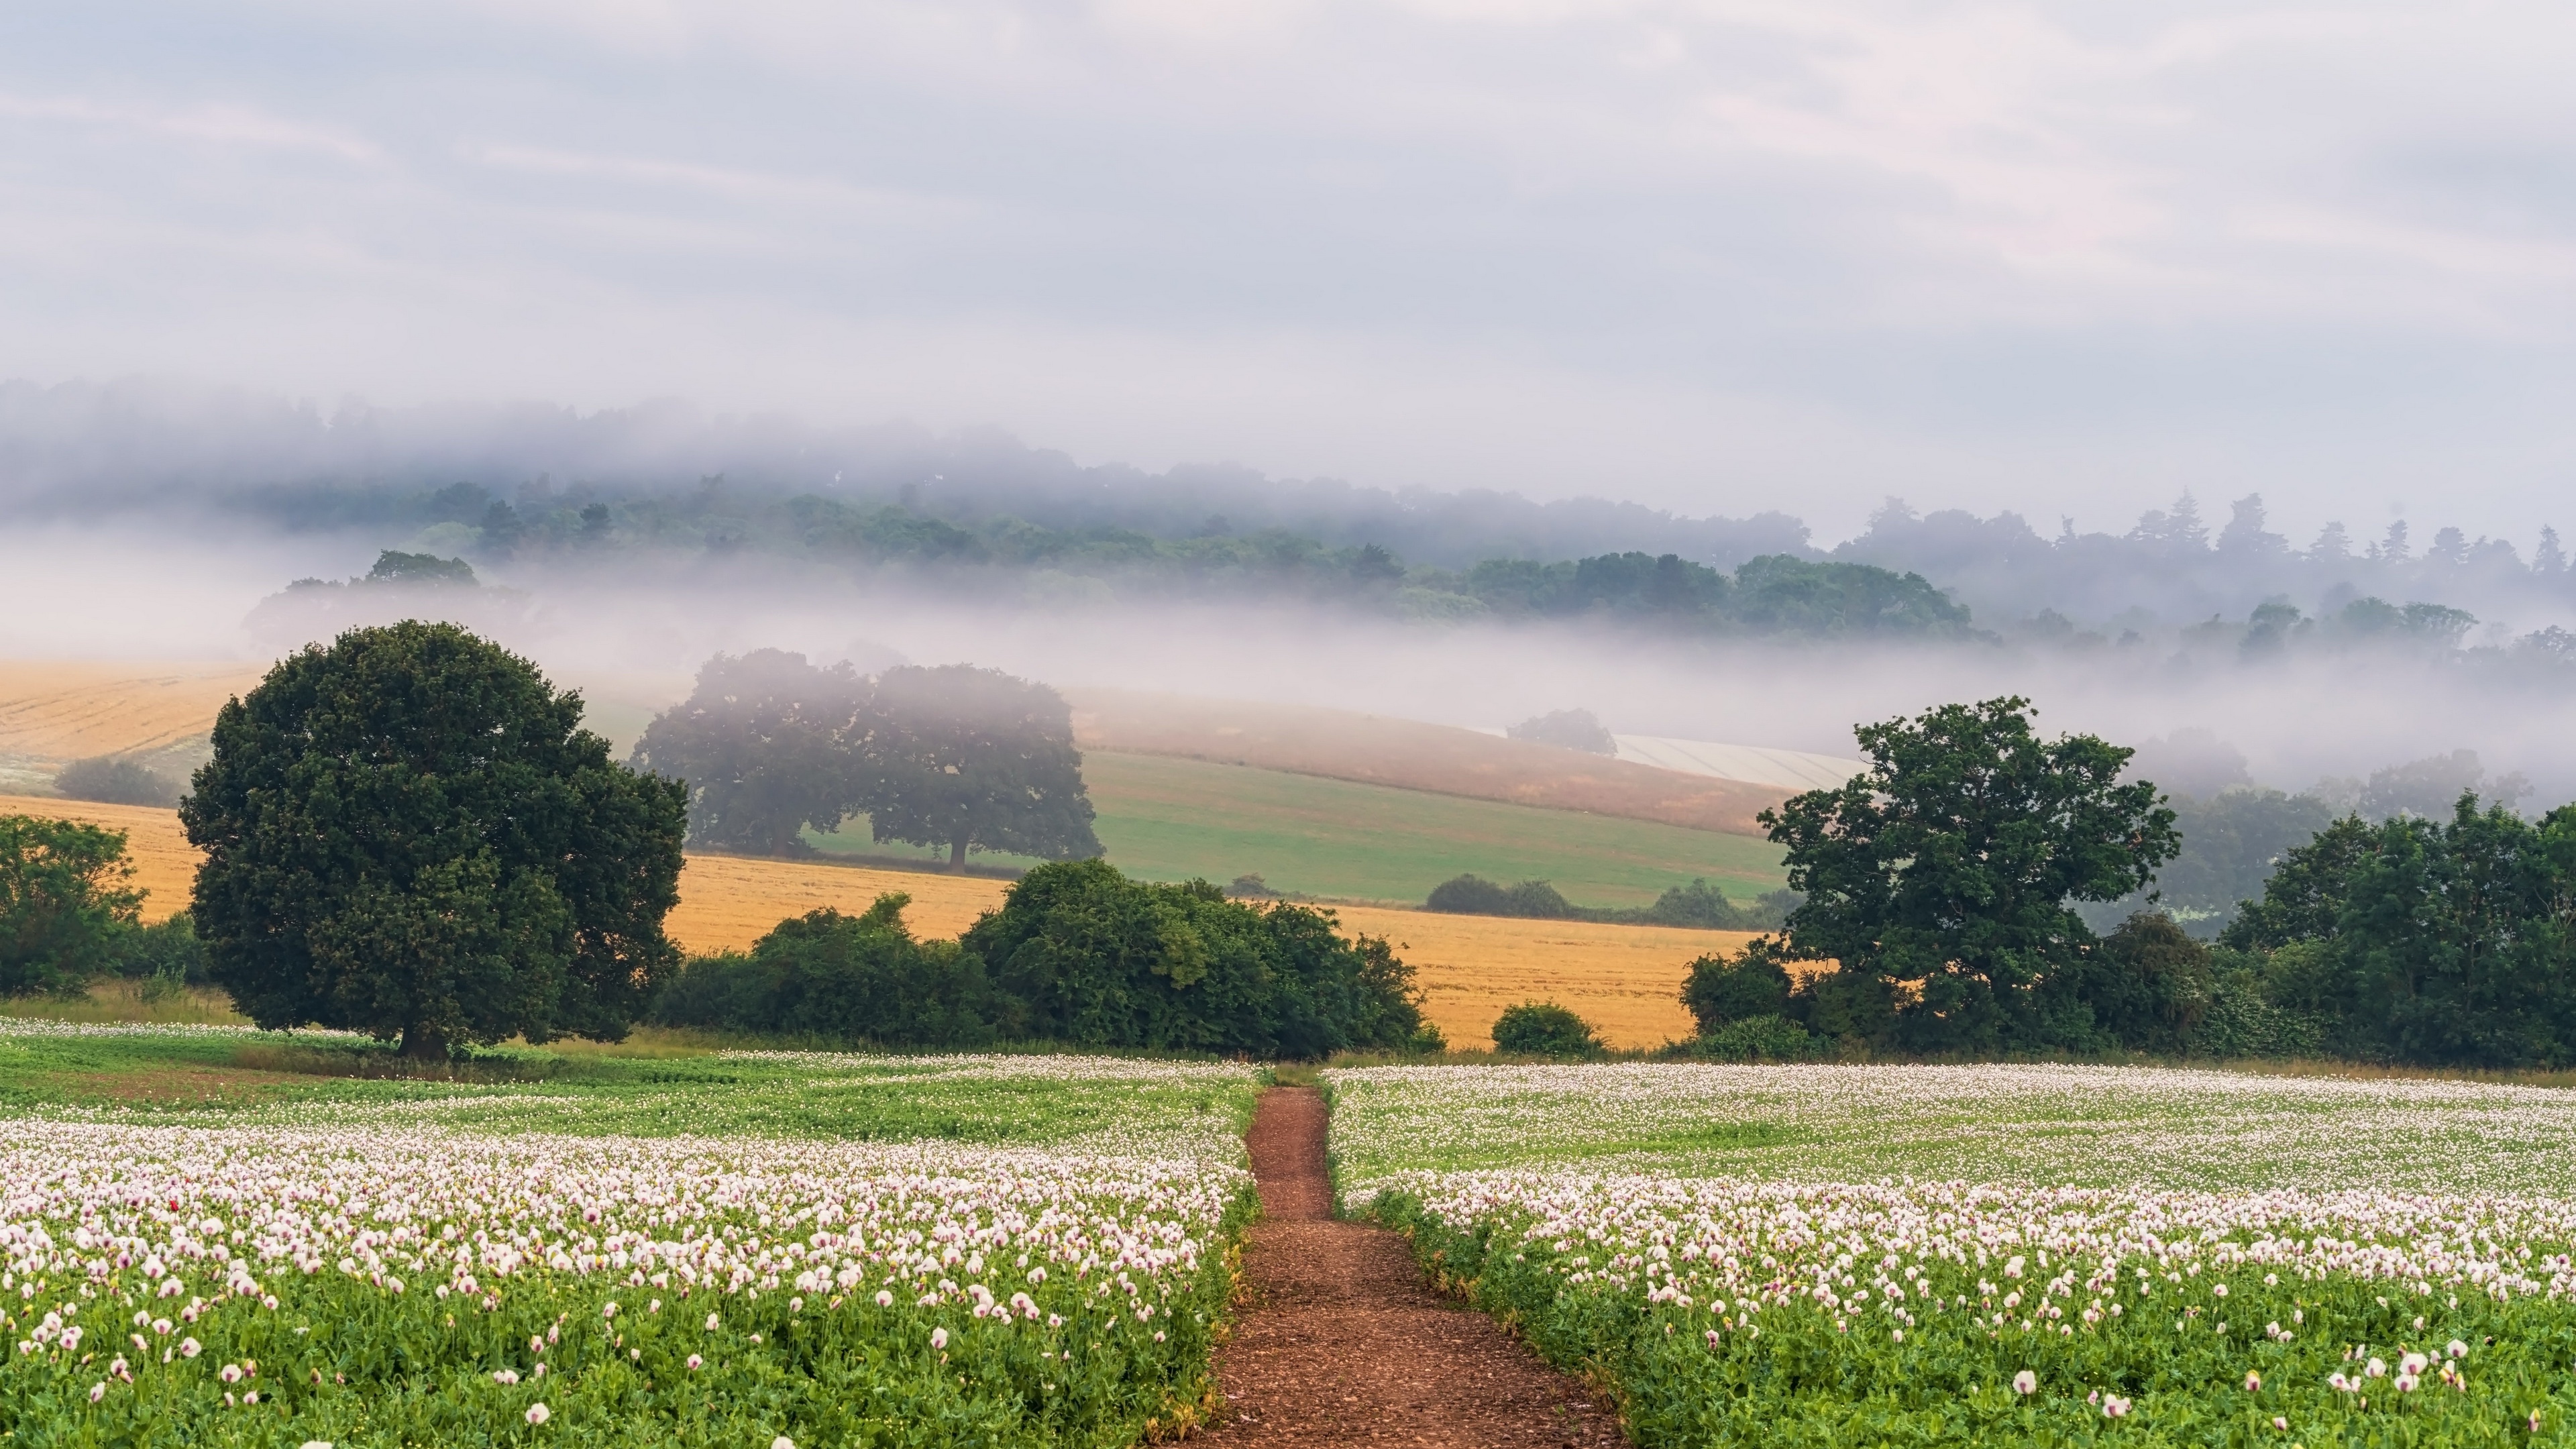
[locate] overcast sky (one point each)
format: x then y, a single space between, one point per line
1714 256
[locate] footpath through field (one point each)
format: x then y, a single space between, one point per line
1342 1342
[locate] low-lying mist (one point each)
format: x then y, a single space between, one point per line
632 632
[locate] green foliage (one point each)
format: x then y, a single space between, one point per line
408 833
115 780
1949 866
1544 1029
63 903
974 759
768 744
1760 1039
2303 897
166 952
1776 594
1720 991
1091 957
847 978
1473 895
393 567
1572 729
2148 985
1697 906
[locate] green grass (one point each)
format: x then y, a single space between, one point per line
1172 819
237 1078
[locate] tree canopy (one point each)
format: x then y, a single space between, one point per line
408 833
768 744
975 759
63 902
1940 878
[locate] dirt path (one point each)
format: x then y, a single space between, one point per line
1343 1344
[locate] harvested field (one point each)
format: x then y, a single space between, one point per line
68 711
1410 755
1625 980
165 864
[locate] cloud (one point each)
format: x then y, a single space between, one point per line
1975 251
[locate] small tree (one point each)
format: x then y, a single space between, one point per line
115 780
408 833
63 903
768 744
1570 729
1949 864
974 759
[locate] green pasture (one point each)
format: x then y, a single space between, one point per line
1172 819
652 1087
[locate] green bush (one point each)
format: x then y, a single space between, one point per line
1473 895
1544 1029
1720 990
851 978
63 903
1761 1039
165 956
1086 955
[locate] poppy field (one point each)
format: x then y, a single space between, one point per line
451 1263
2025 1255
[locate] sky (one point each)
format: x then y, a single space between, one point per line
1717 257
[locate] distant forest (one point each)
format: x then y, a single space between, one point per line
525 490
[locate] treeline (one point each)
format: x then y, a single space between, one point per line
1077 953
1939 920
1696 906
1768 595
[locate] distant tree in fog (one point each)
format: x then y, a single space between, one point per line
768 745
975 759
1572 729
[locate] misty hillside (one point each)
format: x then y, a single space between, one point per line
523 488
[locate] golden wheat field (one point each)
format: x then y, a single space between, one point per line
1625 980
69 711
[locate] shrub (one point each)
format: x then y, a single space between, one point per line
1544 1029
1092 957
63 903
165 953
115 780
1761 1039
1473 895
851 978
1720 991
1468 895
1699 905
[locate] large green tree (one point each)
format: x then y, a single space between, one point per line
1940 878
975 759
64 902
408 833
768 744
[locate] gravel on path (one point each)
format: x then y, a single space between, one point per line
1342 1342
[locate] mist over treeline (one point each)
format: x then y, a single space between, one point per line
535 485
627 547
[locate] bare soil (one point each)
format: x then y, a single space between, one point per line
1343 1343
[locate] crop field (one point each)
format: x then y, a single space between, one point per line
1626 980
1410 755
1171 819
734 1249
2001 1254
